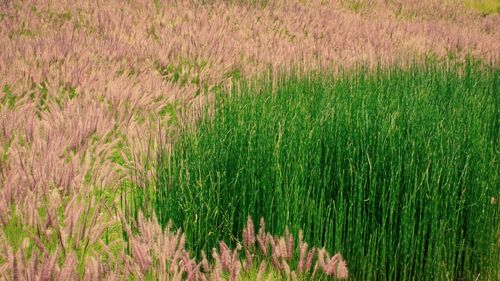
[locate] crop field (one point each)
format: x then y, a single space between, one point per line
249 140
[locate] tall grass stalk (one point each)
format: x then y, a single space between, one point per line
395 168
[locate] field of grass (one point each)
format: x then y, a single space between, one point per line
94 93
394 168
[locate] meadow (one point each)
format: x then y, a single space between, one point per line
363 132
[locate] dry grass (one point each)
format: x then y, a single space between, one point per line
84 84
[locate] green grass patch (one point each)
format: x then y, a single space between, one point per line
485 7
395 168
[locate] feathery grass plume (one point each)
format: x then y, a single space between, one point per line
262 270
302 252
235 266
274 247
248 263
49 268
39 244
289 244
174 266
34 264
92 271
141 255
68 269
276 263
15 269
204 265
262 237
218 268
249 234
225 256
319 262
309 259
286 269
282 246
4 213
191 267
342 271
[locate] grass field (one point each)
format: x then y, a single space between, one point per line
371 125
395 168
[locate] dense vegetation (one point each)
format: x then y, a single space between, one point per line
87 86
395 168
